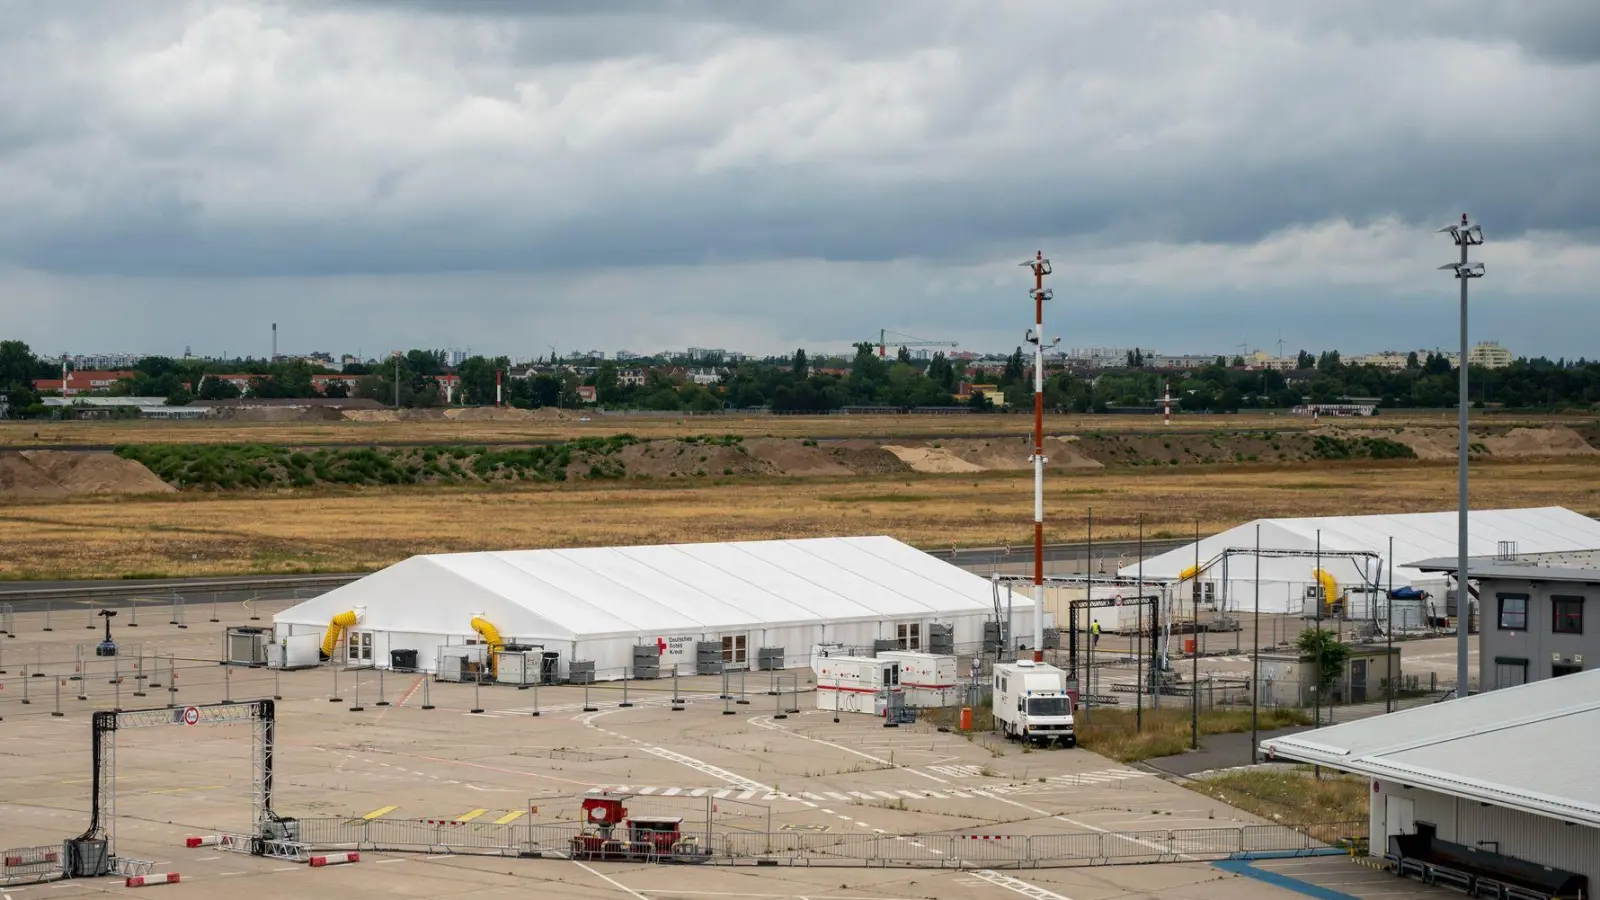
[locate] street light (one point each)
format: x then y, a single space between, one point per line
1465 235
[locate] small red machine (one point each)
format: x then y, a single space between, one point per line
609 833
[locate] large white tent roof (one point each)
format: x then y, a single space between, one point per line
603 591
1417 536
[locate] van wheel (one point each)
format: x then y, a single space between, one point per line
1069 743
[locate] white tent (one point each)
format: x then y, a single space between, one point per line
1285 580
598 604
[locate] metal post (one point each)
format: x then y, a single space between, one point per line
49 606
835 702
1194 705
173 613
25 700
133 613
382 701
1035 336
1255 660
57 713
625 704
1316 678
742 701
426 702
677 698
587 706
214 607
335 698
227 684
725 683
727 708
89 611
535 691
116 705
138 676
355 704
1465 235
172 680
83 681
276 693
477 680
794 693
1388 633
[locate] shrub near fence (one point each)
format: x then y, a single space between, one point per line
826 849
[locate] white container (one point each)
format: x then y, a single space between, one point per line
853 683
927 679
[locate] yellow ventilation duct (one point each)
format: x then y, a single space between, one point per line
491 636
1330 588
336 627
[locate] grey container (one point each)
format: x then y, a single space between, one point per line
882 644
646 661
942 640
1052 639
770 659
581 671
708 657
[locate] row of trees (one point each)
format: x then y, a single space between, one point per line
792 384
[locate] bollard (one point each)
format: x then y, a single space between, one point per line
624 704
476 706
381 700
335 698
425 703
57 713
355 705
536 693
587 706
49 605
138 676
743 700
214 607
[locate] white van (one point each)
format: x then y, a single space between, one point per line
1032 703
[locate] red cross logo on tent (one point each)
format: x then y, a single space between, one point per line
661 647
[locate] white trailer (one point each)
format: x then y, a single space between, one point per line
858 684
1032 703
927 679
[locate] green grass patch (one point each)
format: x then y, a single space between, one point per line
1292 795
1115 732
878 498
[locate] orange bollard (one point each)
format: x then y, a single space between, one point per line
966 718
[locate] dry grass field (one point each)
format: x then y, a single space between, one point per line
23 435
348 530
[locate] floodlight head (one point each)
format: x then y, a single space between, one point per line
1044 294
1465 270
1030 337
1038 262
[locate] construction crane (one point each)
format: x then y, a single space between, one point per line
883 342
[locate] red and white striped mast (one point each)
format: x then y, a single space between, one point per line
1035 336
1166 403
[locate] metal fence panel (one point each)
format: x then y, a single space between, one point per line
1129 845
988 848
30 862
1080 847
1206 842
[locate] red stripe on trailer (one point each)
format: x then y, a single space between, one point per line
933 687
147 880
338 859
848 690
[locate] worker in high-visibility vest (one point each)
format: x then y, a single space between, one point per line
1094 633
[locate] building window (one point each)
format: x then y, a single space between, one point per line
1510 672
1559 669
1568 615
910 637
733 649
1513 612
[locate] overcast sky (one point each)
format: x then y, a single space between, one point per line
374 174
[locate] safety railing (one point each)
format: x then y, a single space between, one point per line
964 849
30 863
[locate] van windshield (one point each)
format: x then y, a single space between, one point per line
1049 706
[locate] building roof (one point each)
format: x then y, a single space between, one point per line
1528 747
658 590
1416 536
1576 565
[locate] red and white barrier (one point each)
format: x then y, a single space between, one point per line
32 859
338 859
147 880
204 840
442 822
986 837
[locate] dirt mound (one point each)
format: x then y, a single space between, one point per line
1004 454
798 458
60 473
677 459
932 459
490 414
280 414
1556 440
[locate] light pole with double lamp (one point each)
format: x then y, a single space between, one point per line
1465 235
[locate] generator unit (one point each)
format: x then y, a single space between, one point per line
462 662
247 646
519 667
858 684
928 680
295 651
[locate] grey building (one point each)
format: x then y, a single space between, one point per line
1491 790
1290 679
1534 618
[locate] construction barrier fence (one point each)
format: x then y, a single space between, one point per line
826 848
30 864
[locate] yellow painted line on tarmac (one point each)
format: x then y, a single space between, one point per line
471 815
208 787
508 818
380 811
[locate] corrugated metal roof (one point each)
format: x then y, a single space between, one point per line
666 588
1416 536
1528 747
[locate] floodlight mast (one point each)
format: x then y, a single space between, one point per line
1465 235
1035 336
